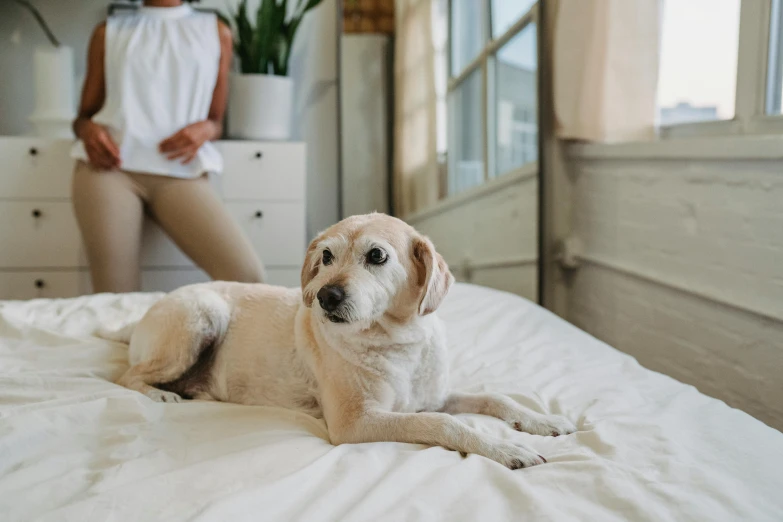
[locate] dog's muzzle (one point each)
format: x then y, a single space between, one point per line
330 298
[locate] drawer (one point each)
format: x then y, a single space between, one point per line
284 276
258 170
31 285
168 280
157 250
44 234
53 284
276 230
39 234
35 168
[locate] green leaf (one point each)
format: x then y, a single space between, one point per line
283 50
269 20
266 48
244 47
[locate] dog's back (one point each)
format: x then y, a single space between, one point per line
222 341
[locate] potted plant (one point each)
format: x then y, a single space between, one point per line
54 89
261 99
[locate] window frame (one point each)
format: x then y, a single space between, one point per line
485 63
751 96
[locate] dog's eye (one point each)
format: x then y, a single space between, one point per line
376 256
327 258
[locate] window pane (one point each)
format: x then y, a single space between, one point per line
698 73
516 117
506 12
466 142
775 67
467 33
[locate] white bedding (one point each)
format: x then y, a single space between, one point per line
74 446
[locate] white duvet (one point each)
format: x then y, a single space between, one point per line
75 447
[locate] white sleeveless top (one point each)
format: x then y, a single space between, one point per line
161 69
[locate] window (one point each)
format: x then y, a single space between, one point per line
467 33
775 64
466 143
492 91
725 76
516 107
506 12
698 70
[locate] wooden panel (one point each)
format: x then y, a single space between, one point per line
494 227
520 280
368 16
501 224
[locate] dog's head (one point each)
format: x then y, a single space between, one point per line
370 266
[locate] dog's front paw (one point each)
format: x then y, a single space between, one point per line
547 425
163 396
514 456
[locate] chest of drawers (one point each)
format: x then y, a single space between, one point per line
262 186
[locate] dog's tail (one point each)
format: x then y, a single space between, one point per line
122 335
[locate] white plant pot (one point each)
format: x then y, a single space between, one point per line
54 92
260 107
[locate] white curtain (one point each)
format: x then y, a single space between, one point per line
605 70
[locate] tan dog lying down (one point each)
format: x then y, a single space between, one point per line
360 345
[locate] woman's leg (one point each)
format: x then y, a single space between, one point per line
109 210
193 216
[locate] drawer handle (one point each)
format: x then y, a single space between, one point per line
40 283
259 155
37 213
259 214
33 151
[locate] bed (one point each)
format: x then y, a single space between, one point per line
75 447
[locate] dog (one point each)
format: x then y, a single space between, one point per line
359 345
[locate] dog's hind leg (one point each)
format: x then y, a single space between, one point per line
178 336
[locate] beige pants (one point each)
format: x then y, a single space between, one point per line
110 207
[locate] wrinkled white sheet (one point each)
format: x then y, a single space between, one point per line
75 447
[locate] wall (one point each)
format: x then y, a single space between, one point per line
683 262
489 235
313 67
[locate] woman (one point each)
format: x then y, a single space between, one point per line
153 98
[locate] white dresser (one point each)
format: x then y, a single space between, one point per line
263 187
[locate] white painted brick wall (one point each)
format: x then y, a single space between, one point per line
489 226
697 232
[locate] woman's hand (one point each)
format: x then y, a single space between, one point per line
101 149
185 144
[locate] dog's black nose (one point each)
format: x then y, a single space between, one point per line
330 297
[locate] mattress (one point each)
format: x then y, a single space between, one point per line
75 447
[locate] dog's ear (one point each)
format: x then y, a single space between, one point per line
433 273
310 267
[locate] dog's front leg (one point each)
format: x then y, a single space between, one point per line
434 429
506 409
